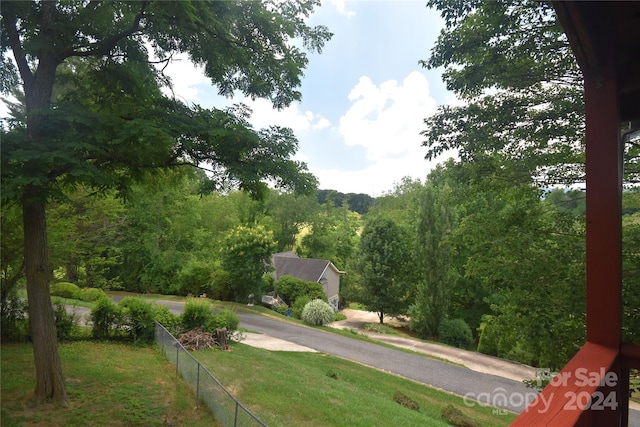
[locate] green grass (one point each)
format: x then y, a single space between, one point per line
313 389
108 384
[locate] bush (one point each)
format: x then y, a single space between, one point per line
14 319
198 314
138 317
291 288
105 317
227 318
455 332
89 294
457 418
63 289
317 312
65 322
166 318
298 306
194 278
220 287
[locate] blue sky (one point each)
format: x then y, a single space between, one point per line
363 99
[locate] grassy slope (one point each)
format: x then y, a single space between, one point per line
313 389
109 384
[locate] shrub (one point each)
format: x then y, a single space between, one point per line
14 319
227 318
455 332
220 287
298 306
105 317
291 288
65 322
282 308
138 317
405 400
198 314
89 294
63 289
457 418
317 312
167 319
194 278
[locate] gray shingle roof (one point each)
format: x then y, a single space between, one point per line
289 264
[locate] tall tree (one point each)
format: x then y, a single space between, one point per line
246 256
115 124
434 258
382 258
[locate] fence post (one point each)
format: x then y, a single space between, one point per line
177 356
198 384
235 419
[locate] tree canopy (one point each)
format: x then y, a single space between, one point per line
95 113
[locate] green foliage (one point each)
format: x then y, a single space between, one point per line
267 284
197 314
299 305
436 275
282 308
106 317
64 289
455 332
291 288
532 116
221 288
631 267
382 260
138 316
195 278
14 318
66 323
457 418
166 318
89 294
405 400
246 256
317 312
226 318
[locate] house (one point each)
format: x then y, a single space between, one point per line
312 270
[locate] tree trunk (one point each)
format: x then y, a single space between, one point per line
49 379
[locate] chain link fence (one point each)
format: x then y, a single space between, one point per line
224 406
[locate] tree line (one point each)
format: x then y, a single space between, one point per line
109 182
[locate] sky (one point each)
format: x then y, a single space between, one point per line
364 98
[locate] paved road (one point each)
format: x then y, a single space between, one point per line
472 386
497 391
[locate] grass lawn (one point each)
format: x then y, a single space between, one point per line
313 389
109 384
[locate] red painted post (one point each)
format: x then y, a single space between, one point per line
604 192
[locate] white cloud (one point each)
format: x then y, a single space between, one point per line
385 120
341 8
185 77
265 115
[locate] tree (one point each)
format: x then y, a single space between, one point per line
511 63
246 256
113 123
434 258
382 258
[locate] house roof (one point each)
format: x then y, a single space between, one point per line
290 264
